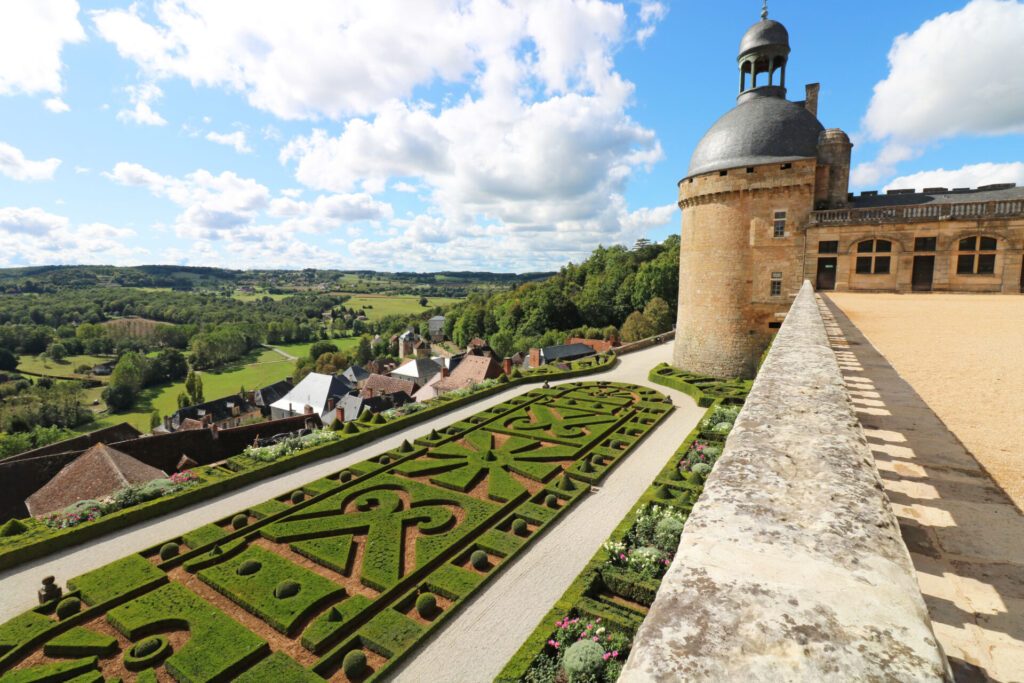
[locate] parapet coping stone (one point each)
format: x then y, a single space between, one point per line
791 566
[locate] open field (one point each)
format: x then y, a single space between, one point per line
301 350
379 305
48 366
257 296
962 354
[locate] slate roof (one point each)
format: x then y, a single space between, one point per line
94 475
314 391
354 404
939 195
565 352
266 396
355 373
219 409
419 369
472 370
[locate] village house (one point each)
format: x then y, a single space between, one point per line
382 385
417 370
435 328
560 353
356 375
471 370
316 394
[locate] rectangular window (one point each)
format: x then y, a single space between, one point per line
968 243
776 284
864 265
965 264
881 265
774 326
883 245
988 244
924 244
986 264
867 246
780 224
828 247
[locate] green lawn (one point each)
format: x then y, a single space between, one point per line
301 350
383 304
48 366
256 296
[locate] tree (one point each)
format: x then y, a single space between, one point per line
320 348
8 361
182 400
168 366
194 387
57 351
130 372
637 326
119 397
423 301
364 353
154 420
659 315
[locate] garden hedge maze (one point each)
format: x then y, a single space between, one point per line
340 579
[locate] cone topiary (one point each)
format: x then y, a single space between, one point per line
354 664
12 527
297 496
366 417
426 605
663 492
239 521
434 434
168 550
587 465
489 456
674 475
350 428
378 419
565 483
479 560
406 447
68 607
519 527
334 615
286 589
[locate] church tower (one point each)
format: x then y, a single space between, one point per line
753 179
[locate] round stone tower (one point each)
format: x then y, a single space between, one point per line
749 189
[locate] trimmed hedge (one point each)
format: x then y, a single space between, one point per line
323 631
57 671
278 668
116 579
80 642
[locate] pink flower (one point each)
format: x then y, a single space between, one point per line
615 653
606 655
595 639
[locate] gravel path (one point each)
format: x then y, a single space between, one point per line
286 355
962 354
509 608
18 586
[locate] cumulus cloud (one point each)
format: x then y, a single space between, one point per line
34 236
13 164
972 175
56 105
235 139
32 35
957 74
142 96
650 14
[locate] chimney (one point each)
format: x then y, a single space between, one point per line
167 423
307 410
535 358
506 366
339 414
811 100
331 402
213 431
444 372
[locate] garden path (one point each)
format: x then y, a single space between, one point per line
18 585
490 627
287 356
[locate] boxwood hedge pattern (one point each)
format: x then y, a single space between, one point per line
616 598
341 569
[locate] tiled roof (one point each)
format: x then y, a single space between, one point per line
472 370
94 475
382 384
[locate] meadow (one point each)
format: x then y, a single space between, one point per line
376 306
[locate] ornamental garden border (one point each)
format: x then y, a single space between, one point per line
611 596
35 539
414 532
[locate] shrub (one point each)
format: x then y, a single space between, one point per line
248 568
426 605
516 373
12 527
551 500
297 497
583 661
617 444
287 589
406 447
168 550
663 492
674 475
519 527
345 476
146 653
479 560
350 428
378 419
146 647
239 521
334 616
503 379
565 483
354 664
701 471
384 460
587 466
667 532
68 607
365 417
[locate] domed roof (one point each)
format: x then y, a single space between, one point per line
761 129
762 34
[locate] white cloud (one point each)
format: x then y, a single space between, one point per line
236 140
34 236
56 105
972 175
13 164
32 35
650 14
142 96
870 173
402 186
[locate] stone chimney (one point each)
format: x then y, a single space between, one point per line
444 372
535 358
331 402
506 366
213 430
307 410
339 414
811 99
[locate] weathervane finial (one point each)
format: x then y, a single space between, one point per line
764 9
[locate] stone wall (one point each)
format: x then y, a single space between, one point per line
791 567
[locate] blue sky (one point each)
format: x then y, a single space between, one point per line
480 134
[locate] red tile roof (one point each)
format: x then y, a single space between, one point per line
470 370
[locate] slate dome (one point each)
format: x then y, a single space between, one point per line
761 129
764 33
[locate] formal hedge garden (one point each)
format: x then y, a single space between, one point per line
30 538
352 573
588 633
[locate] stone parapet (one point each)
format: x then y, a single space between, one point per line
791 567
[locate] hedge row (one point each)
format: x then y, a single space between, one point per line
701 388
40 540
583 598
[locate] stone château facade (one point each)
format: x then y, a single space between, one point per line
765 205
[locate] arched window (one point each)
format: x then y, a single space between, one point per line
977 256
873 257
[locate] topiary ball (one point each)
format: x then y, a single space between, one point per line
68 607
551 500
519 527
239 521
384 460
248 568
426 605
168 550
583 661
297 497
286 589
354 664
479 560
344 476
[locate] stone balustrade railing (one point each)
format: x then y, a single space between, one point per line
918 212
791 566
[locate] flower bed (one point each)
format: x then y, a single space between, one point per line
619 583
343 568
30 538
